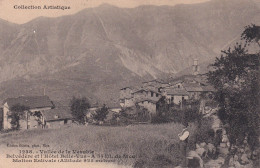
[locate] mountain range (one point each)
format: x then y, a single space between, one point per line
97 51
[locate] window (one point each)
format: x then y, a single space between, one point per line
152 94
65 121
157 94
179 86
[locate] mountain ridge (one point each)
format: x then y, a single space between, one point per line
98 50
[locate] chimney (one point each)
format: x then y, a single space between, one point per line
195 67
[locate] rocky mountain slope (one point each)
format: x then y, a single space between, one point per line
98 50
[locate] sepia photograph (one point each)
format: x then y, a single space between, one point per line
129 83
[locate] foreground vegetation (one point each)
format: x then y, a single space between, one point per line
235 76
150 144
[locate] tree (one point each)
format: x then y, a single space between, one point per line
101 114
191 113
18 112
251 34
79 107
235 78
162 106
143 114
162 111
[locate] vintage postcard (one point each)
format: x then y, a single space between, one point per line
129 83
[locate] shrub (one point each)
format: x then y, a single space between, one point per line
156 119
163 111
190 113
101 114
18 113
79 107
143 114
204 133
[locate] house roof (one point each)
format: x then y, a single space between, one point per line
143 100
93 108
176 82
208 88
129 87
136 88
58 113
153 90
176 92
30 101
141 90
192 87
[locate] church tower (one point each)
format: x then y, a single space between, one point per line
195 67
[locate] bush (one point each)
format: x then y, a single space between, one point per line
204 133
177 115
101 114
163 111
156 119
79 107
143 115
18 112
190 113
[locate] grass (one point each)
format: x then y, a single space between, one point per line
150 144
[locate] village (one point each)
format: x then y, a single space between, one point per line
141 85
139 106
43 113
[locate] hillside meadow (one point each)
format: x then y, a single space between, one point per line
152 145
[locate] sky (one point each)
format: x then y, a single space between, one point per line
20 16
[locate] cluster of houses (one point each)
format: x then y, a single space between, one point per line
43 113
175 90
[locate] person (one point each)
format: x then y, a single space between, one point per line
184 136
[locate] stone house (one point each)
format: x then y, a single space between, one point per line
34 103
127 102
56 118
140 94
153 95
194 90
126 92
175 96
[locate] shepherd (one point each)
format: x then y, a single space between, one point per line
184 136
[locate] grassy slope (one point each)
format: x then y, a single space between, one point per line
147 142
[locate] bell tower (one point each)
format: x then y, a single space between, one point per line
195 67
